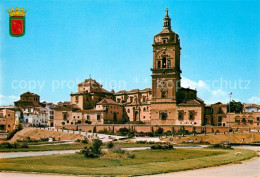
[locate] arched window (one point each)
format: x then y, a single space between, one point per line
128 110
144 109
169 64
164 62
159 64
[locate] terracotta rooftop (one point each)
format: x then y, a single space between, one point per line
107 101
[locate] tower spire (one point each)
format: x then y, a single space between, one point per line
167 21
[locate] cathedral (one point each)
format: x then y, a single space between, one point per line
166 103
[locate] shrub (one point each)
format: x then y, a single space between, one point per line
131 134
96 146
221 146
117 149
5 145
150 134
123 131
110 145
85 141
24 145
88 122
159 131
141 142
164 147
93 151
77 140
44 139
168 133
130 155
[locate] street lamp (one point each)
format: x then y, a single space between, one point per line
229 114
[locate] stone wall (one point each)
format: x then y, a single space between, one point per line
152 128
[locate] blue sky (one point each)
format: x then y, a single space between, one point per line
66 41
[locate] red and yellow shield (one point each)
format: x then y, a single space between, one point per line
17 22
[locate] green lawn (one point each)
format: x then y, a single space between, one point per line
146 162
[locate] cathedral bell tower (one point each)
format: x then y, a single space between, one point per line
165 72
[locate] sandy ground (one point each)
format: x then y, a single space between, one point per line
36 134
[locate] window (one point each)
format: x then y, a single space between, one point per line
64 115
144 98
159 64
220 111
144 117
180 115
131 99
169 64
219 118
128 110
9 126
77 99
68 121
88 117
98 117
78 117
244 120
144 109
9 115
237 121
118 100
163 115
258 118
250 121
164 62
191 115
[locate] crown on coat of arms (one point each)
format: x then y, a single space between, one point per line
17 12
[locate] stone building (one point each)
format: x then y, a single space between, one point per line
90 92
171 104
28 99
8 120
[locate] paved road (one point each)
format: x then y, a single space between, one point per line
40 153
29 154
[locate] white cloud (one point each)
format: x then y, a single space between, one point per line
254 99
205 91
8 100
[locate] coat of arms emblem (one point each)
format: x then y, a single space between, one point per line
17 22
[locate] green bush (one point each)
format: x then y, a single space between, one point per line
123 131
5 145
141 142
44 139
159 131
85 141
93 151
110 144
164 147
131 134
130 155
24 145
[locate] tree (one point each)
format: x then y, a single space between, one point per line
235 106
